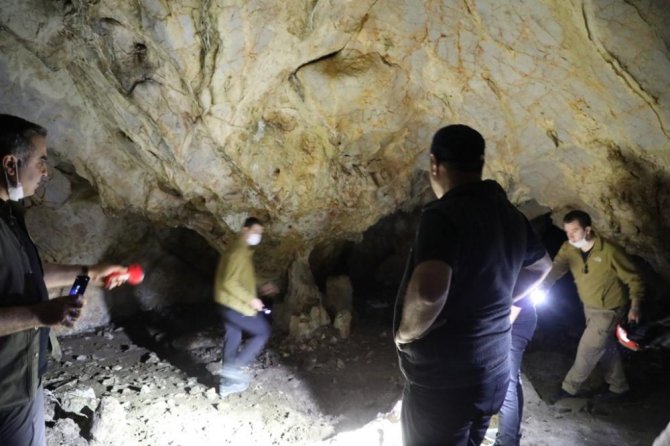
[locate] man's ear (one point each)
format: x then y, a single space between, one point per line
433 165
9 164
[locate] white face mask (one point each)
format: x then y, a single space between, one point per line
253 239
15 192
580 243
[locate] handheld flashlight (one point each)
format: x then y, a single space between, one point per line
538 296
134 276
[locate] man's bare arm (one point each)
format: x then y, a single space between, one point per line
424 299
61 310
58 276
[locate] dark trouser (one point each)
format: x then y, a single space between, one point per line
24 425
450 417
511 412
256 327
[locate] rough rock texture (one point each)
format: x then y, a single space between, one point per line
70 226
316 115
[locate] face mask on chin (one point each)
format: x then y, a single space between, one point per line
15 192
253 239
579 243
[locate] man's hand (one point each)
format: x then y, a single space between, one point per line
269 289
98 273
634 314
256 304
63 310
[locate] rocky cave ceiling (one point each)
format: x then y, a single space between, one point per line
316 114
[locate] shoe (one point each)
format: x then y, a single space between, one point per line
229 387
610 396
562 395
234 374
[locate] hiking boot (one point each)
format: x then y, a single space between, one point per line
234 373
562 395
229 387
611 397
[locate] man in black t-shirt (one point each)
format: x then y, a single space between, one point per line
474 253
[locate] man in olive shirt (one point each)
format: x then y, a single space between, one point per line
240 308
606 281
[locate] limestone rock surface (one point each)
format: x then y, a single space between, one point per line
316 115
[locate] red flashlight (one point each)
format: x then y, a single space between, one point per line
134 276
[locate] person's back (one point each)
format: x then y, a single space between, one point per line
452 312
471 338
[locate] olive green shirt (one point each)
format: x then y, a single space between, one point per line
606 280
235 281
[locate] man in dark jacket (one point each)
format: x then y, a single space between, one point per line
474 252
25 309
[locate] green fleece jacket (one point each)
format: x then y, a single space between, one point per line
606 280
235 282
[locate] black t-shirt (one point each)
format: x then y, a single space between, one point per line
486 241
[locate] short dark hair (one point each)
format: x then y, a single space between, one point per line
252 221
582 217
459 147
16 136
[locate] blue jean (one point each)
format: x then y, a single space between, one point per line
511 412
450 417
235 324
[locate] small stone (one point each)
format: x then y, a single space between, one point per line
151 358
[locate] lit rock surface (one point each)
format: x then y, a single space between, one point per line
317 115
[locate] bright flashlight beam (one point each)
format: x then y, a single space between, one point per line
538 296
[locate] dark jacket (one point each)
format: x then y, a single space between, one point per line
20 284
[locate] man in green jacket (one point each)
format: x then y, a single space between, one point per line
240 308
606 282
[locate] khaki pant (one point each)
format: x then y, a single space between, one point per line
598 343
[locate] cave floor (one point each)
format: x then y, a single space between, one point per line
145 384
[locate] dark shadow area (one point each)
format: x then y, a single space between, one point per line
178 267
375 265
186 336
173 305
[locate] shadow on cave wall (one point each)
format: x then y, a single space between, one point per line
174 304
642 189
375 265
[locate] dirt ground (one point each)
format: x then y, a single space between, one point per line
148 382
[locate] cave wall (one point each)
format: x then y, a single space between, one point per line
316 115
70 226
